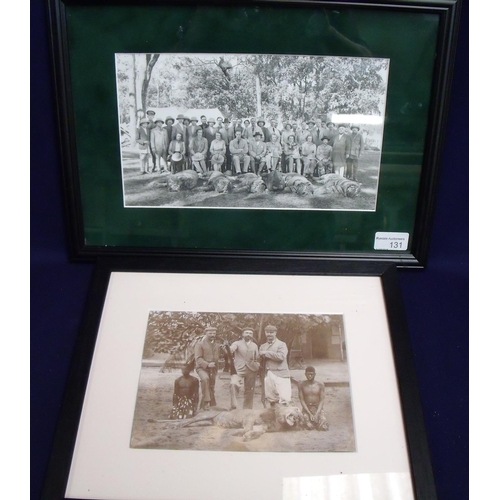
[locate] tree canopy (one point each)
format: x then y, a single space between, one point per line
288 87
175 332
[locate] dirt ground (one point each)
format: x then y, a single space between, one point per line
154 401
148 191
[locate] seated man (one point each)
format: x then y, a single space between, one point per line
312 398
238 148
186 395
257 152
324 157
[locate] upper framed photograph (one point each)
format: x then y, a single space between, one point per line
304 383
307 130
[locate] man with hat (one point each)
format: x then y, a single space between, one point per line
266 135
206 356
341 151
179 128
150 115
159 144
169 122
191 130
209 132
246 363
324 157
250 131
257 151
357 148
142 138
273 356
330 132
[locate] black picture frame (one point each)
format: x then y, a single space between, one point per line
82 248
414 428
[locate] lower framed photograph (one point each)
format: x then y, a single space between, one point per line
247 381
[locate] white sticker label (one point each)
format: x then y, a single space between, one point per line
391 241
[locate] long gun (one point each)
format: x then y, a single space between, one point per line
262 375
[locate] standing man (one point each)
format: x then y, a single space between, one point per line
179 128
159 144
142 139
238 148
277 376
273 129
191 130
169 122
312 399
341 150
206 356
209 131
246 363
251 130
357 147
150 115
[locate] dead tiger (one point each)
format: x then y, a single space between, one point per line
334 183
298 184
187 179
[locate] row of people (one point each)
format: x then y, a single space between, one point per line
191 393
252 155
155 138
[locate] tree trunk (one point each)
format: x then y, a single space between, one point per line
150 62
132 104
258 94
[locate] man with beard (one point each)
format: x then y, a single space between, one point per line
206 355
273 355
312 399
246 364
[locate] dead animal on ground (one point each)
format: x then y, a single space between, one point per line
298 184
219 182
333 183
185 180
253 423
275 181
250 182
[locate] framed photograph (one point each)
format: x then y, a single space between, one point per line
185 384
280 129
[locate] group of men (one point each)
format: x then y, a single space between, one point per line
310 147
270 359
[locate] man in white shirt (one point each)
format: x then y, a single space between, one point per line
246 363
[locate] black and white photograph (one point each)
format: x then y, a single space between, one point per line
250 131
223 381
